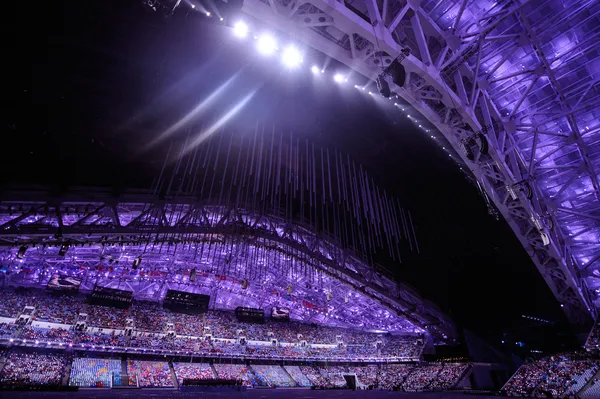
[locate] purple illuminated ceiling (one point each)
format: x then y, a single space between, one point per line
284 265
513 87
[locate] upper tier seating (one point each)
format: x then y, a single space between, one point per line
7 330
150 322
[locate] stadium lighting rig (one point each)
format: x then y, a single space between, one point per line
266 44
291 58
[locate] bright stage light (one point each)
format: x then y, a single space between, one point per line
266 45
291 57
207 14
240 29
314 69
193 6
339 78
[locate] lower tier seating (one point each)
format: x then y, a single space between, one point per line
90 372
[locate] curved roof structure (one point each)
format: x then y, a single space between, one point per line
241 258
514 88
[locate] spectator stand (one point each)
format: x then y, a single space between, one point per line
107 328
298 376
149 374
194 371
30 370
555 376
593 340
272 376
592 389
95 372
8 328
421 377
393 376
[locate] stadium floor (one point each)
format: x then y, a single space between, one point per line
250 394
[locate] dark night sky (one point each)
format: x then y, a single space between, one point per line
89 88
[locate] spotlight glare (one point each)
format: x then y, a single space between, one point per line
338 78
291 57
207 14
266 45
193 6
314 69
221 19
240 29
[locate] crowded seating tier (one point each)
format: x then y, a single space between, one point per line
593 340
34 369
298 376
147 374
556 376
193 371
31 369
94 372
154 327
273 376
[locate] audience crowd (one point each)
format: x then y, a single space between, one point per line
32 369
27 369
150 322
392 376
91 372
7 330
238 372
273 376
149 374
298 376
556 376
193 371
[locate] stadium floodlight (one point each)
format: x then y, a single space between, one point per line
291 57
314 69
339 78
240 29
266 44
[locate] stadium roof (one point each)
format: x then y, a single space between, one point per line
514 88
284 265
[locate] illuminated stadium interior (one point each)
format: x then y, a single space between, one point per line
252 261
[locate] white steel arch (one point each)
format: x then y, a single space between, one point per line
522 77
